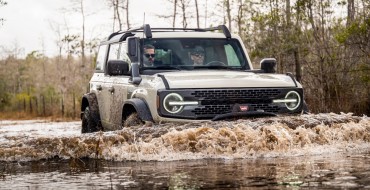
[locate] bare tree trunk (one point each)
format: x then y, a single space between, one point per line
183 8
74 105
174 13
83 34
62 105
240 18
31 109
114 17
350 11
127 14
287 12
297 65
228 12
116 14
43 106
116 7
197 11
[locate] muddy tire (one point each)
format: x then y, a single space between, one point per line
89 123
132 120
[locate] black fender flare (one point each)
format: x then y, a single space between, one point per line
140 107
90 99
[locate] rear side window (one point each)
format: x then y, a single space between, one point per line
123 53
100 59
113 51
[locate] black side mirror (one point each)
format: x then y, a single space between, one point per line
268 65
117 67
135 74
132 48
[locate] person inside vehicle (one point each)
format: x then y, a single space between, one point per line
149 53
197 56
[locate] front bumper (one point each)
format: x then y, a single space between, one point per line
213 103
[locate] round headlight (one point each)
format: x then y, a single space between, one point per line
173 97
294 100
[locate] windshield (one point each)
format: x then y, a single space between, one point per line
192 53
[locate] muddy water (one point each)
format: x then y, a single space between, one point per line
321 151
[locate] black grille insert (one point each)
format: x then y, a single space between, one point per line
214 102
237 94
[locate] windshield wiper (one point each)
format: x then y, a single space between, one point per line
165 67
216 67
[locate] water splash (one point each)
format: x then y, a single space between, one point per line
288 136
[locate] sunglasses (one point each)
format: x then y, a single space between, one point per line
198 54
147 55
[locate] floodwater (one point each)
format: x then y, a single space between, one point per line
321 151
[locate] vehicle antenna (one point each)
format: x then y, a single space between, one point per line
143 24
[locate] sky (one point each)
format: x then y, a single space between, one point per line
31 25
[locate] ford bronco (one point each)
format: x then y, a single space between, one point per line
182 74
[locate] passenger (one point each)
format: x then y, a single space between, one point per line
197 56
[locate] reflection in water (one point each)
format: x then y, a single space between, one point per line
335 171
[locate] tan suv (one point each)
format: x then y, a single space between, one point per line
181 74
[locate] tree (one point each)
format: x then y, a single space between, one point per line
197 12
117 6
227 5
2 3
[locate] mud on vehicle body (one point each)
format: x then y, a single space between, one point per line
127 90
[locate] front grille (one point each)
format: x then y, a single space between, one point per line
222 109
212 110
265 108
237 93
213 102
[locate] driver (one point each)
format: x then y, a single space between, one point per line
149 53
197 56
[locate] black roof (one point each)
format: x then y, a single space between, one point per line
147 30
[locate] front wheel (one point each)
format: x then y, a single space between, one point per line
89 124
132 120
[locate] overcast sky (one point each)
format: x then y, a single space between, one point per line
31 24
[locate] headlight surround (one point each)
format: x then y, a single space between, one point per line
173 97
292 105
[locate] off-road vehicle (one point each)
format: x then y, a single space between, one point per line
126 91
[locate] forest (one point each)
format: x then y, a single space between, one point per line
324 43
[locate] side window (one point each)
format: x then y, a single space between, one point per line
123 53
113 51
100 59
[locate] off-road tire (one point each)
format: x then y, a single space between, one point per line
132 120
89 124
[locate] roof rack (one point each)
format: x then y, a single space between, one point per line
224 29
148 30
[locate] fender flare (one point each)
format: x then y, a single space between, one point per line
140 107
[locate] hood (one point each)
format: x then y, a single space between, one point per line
226 79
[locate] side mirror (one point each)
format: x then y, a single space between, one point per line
117 67
268 65
135 74
132 48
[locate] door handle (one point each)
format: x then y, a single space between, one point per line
111 89
99 87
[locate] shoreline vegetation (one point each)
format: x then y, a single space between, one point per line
327 52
